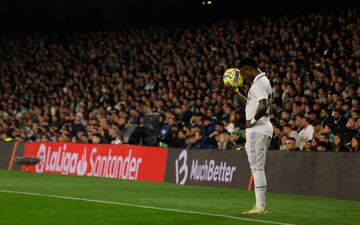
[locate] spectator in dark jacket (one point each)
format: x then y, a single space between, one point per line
350 130
179 141
339 144
355 144
339 123
290 145
117 77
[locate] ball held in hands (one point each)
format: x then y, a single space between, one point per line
232 78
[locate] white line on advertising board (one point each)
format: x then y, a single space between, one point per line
145 207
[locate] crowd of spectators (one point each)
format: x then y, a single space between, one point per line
88 87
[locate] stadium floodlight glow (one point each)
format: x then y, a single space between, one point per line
209 2
203 2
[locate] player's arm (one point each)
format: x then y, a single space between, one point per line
242 97
263 105
259 113
262 97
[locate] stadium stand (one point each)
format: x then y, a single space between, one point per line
89 87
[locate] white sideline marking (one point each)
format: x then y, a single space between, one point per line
146 207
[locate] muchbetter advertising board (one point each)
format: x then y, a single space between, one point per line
207 167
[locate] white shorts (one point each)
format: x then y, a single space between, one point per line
256 147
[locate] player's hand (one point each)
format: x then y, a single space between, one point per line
248 124
236 90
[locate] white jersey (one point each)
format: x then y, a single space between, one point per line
306 134
260 89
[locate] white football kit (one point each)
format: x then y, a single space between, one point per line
258 137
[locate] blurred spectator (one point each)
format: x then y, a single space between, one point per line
339 144
355 144
325 117
275 141
328 132
351 130
322 146
81 137
116 136
324 140
96 139
283 142
355 114
306 133
197 141
339 123
91 86
77 126
297 123
223 141
314 144
210 133
318 128
308 147
290 145
289 132
179 141
236 139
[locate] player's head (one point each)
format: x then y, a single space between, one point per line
248 69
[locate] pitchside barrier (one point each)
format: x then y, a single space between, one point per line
207 167
8 152
104 160
327 174
335 175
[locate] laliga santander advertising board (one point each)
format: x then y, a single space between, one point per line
102 160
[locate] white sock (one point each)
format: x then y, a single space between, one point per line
259 187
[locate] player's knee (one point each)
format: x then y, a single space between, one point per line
256 169
253 171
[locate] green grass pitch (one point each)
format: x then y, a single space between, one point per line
20 208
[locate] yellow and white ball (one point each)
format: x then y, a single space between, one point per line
232 78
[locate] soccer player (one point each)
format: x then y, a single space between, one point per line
259 129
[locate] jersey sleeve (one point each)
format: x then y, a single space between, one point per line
259 91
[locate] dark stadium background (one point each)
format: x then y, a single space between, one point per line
77 75
72 15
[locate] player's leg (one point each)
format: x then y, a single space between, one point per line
250 146
260 183
256 148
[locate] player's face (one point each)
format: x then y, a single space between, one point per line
246 72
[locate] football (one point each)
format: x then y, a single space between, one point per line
232 78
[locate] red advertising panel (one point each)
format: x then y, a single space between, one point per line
103 160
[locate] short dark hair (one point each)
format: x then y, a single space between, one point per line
307 119
325 134
297 103
208 118
341 138
317 122
291 139
219 123
323 144
248 62
287 111
324 109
